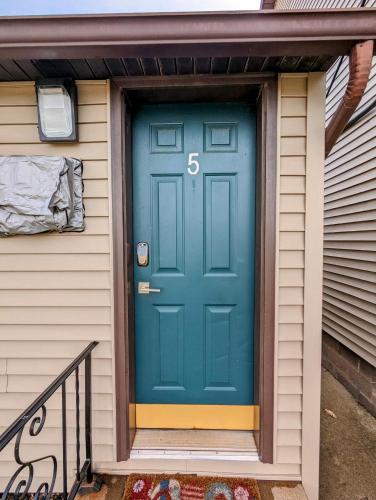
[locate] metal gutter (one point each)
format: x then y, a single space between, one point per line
360 64
252 33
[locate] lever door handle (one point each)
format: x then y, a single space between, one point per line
144 288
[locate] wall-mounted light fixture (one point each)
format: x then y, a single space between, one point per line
57 110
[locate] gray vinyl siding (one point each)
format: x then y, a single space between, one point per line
349 311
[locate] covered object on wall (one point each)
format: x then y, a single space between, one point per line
40 193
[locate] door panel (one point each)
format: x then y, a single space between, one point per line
194 339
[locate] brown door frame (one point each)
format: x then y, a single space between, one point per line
121 169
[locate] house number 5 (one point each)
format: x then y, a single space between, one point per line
192 161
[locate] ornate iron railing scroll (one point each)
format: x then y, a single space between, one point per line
20 485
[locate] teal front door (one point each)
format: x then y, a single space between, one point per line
194 218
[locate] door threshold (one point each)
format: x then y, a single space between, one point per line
194 444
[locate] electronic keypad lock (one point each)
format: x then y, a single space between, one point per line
142 254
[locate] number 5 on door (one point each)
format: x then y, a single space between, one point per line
191 161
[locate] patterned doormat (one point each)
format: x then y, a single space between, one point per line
184 487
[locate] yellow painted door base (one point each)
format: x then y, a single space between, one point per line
164 416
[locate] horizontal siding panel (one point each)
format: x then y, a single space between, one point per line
28 134
289 403
292 203
37 383
351 236
56 298
60 315
293 86
55 280
291 277
349 219
53 436
290 368
52 349
290 314
293 126
349 192
53 366
293 332
363 265
291 222
100 419
355 208
344 280
20 400
23 94
96 207
95 169
347 171
351 309
54 262
48 244
290 350
351 200
291 259
347 331
96 188
289 296
360 162
363 295
338 184
289 437
352 273
345 298
353 324
28 115
291 240
289 454
293 106
293 146
355 226
289 420
292 184
293 165
82 150
45 333
361 246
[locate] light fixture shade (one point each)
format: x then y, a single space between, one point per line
57 104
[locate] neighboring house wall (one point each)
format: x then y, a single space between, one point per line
349 311
56 289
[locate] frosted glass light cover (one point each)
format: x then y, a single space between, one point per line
55 111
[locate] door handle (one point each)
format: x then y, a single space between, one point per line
144 288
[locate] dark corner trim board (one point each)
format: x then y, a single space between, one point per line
261 33
122 92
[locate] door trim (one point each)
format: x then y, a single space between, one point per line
121 167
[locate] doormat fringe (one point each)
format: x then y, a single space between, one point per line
186 487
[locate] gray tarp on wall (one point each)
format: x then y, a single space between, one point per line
40 193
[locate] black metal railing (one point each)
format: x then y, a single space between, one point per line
21 483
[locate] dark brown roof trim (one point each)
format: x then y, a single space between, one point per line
360 64
259 33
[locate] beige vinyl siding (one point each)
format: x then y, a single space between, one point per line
55 289
292 186
349 297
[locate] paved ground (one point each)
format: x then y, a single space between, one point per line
348 446
348 453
